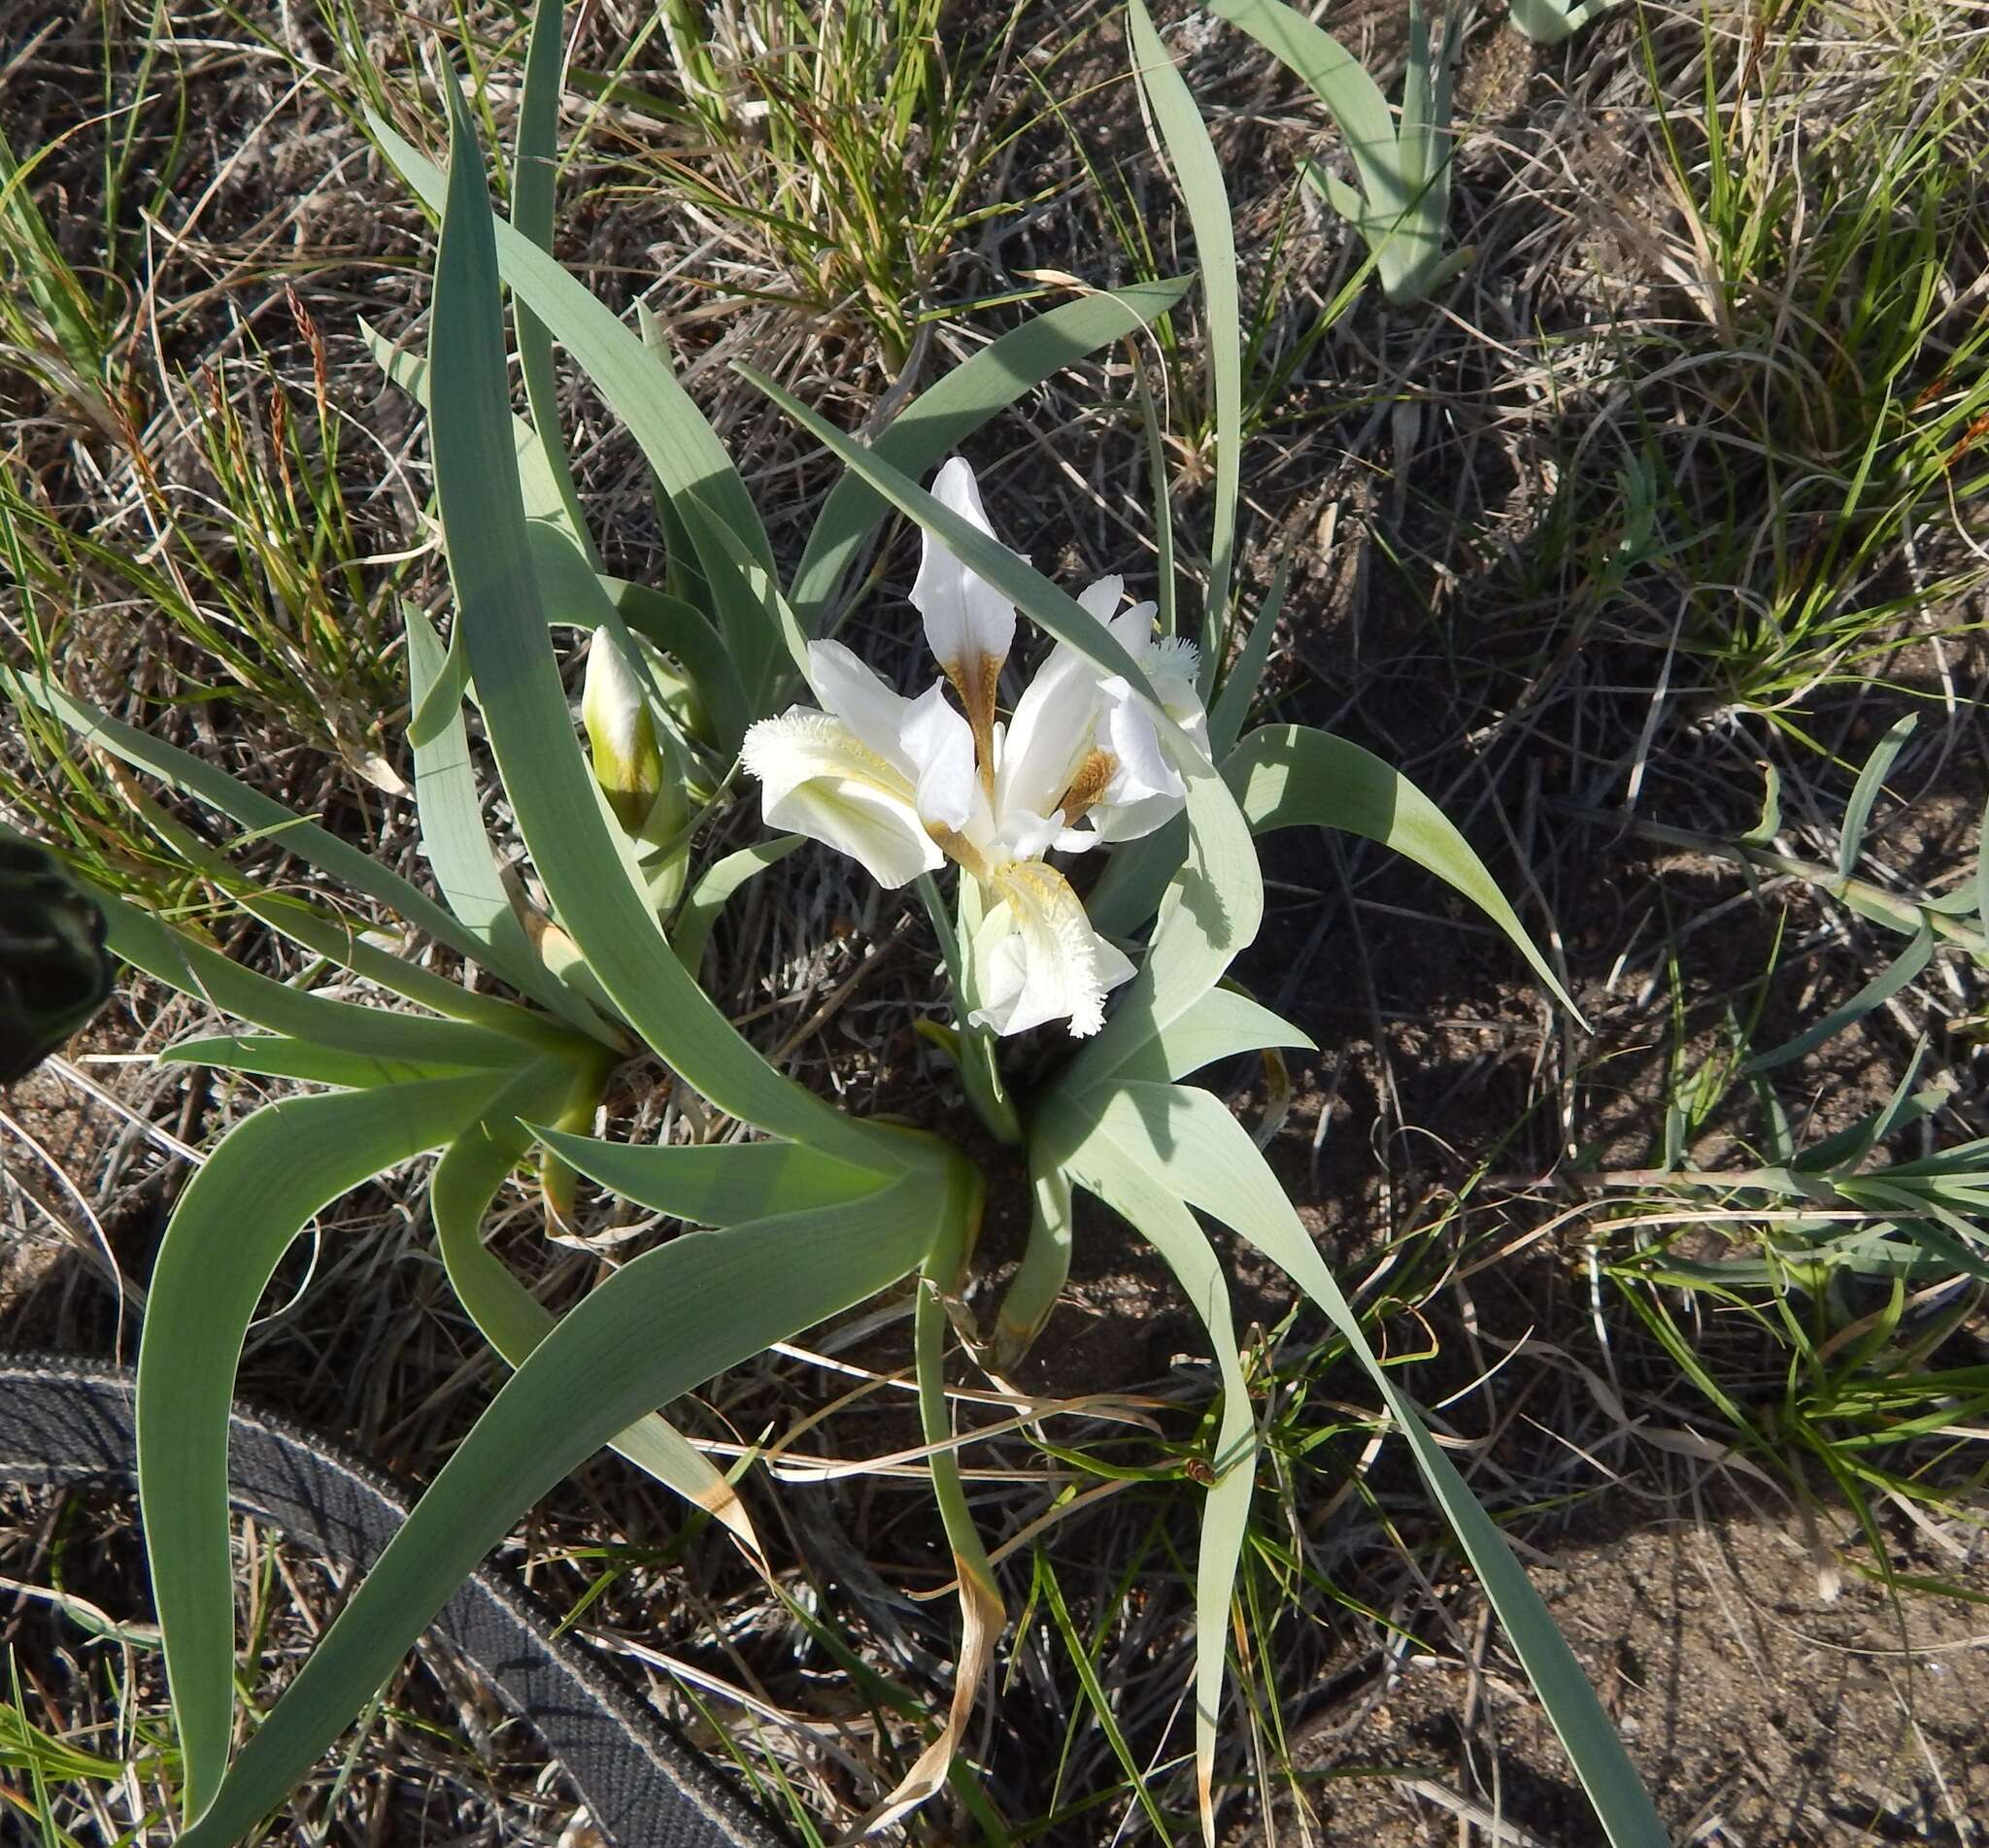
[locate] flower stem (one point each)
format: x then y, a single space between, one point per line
974 1045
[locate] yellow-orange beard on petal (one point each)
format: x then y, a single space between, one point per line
977 682
957 849
1094 777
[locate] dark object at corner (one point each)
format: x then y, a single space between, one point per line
63 1421
53 970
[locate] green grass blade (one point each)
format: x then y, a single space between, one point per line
1882 986
951 410
661 1324
559 811
714 1183
291 1160
1132 1191
336 859
1190 1137
1292 776
535 176
1198 173
1865 792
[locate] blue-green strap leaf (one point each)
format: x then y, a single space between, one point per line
559 811
661 1324
1292 776
465 1180
1208 1159
291 1160
714 1183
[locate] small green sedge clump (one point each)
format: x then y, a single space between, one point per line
1550 21
1401 208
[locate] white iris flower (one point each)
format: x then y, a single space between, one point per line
905 784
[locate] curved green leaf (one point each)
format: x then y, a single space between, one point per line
1882 986
691 929
1219 1025
953 408
559 811
1292 776
458 845
544 500
272 1055
1206 1157
1132 1191
195 968
715 1184
681 448
338 860
661 1324
534 172
291 1160
1198 172
336 940
514 1321
1338 79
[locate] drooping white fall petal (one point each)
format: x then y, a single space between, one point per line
819 779
1037 957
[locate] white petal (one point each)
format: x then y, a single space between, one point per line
1102 598
1037 958
967 620
939 746
854 691
1050 735
1134 630
1143 767
1027 835
1114 822
818 778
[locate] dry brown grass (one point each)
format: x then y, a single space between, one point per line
1471 597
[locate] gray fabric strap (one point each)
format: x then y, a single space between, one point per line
64 1422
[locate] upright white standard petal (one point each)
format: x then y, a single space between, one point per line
818 778
939 746
1056 720
1037 955
969 624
